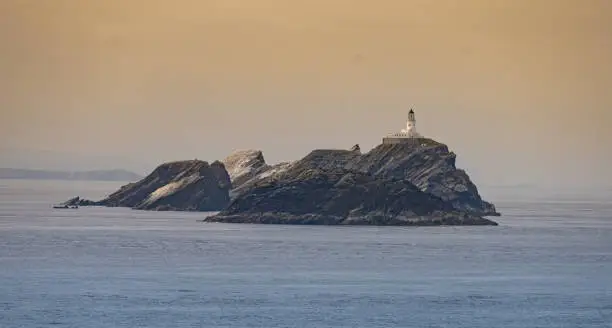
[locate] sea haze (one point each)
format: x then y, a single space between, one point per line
548 264
98 175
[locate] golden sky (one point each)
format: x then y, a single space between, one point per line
520 89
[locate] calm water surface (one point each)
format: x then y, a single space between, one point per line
549 264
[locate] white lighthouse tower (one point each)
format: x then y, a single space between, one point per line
410 130
405 135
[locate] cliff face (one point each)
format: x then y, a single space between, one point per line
431 167
183 186
336 187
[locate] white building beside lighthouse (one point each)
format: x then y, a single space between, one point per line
409 134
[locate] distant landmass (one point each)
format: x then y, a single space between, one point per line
97 175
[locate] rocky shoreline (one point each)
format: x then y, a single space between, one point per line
444 219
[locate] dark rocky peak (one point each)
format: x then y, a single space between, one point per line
356 149
182 185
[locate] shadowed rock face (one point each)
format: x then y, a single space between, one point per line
332 187
182 186
431 167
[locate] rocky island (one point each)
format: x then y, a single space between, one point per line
335 187
406 180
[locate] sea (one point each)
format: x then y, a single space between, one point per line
548 264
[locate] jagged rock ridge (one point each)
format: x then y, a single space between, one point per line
183 186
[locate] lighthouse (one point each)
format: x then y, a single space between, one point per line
405 135
410 130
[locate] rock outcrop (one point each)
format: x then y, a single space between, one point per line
431 167
78 201
328 187
245 167
181 186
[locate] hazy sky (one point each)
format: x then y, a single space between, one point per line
521 90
